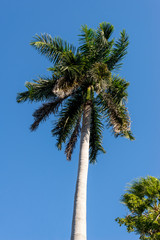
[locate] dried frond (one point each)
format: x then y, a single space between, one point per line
62 88
117 115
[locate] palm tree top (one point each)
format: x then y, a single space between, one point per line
81 76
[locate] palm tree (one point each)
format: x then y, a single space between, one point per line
83 92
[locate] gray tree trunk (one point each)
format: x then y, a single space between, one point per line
79 231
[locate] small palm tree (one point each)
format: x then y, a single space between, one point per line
83 92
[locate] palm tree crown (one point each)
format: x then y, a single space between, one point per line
81 76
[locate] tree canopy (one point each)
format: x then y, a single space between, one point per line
73 72
142 199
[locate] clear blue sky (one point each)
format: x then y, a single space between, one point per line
36 182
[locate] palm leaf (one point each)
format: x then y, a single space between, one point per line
39 90
95 133
118 52
103 34
73 139
105 30
42 113
71 66
116 114
68 117
101 43
52 48
118 89
112 103
86 39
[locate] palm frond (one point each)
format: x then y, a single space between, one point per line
68 117
103 34
118 52
118 89
23 96
71 66
94 44
105 30
39 90
52 48
116 114
95 133
87 37
112 103
73 139
42 113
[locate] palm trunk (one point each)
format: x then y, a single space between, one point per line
79 213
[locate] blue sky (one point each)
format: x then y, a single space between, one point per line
36 182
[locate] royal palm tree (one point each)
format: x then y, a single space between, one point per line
85 95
